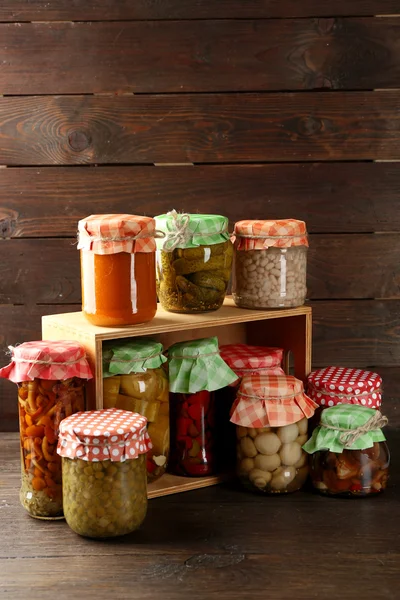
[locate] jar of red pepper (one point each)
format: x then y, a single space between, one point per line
243 360
196 371
340 385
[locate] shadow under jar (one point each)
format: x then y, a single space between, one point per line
270 264
104 472
194 262
118 269
271 413
350 457
43 402
135 380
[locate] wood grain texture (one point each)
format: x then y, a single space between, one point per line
208 544
363 333
93 10
200 128
339 197
340 266
200 56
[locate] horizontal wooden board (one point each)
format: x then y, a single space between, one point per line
46 271
200 56
339 197
350 333
200 128
89 10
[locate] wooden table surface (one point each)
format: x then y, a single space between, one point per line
219 542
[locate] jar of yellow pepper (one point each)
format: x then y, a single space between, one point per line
134 379
50 378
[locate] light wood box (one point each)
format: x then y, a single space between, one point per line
289 329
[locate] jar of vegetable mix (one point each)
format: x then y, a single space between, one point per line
194 262
104 472
270 264
118 269
51 378
339 385
243 360
271 413
196 371
349 453
134 379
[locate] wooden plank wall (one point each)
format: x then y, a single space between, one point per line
267 108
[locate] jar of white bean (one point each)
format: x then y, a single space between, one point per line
271 413
270 264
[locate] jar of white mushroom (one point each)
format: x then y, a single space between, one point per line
270 264
271 413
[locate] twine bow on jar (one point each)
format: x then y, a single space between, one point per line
180 234
348 437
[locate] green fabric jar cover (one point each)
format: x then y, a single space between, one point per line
196 366
183 230
347 427
132 356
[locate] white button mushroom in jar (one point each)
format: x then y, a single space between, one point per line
270 264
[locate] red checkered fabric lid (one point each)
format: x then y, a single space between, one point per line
110 234
340 385
245 359
47 360
258 235
271 400
109 434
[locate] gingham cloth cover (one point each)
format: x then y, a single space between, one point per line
109 434
57 360
133 356
271 400
196 366
244 359
196 230
270 234
102 234
348 417
340 385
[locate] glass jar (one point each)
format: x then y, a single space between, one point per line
339 385
194 262
196 371
141 386
193 434
349 455
118 269
104 472
352 472
271 459
270 264
271 413
42 404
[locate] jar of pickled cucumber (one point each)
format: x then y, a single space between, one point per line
104 471
196 371
118 269
271 413
243 359
349 455
51 386
134 379
270 264
194 262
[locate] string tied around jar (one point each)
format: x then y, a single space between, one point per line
348 437
43 362
181 233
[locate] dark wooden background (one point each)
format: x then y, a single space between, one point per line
265 108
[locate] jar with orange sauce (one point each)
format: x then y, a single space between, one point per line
118 269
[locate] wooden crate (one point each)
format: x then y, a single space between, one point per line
287 328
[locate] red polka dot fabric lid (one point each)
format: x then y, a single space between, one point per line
341 385
109 434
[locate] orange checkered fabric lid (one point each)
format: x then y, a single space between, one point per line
271 401
259 235
110 234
